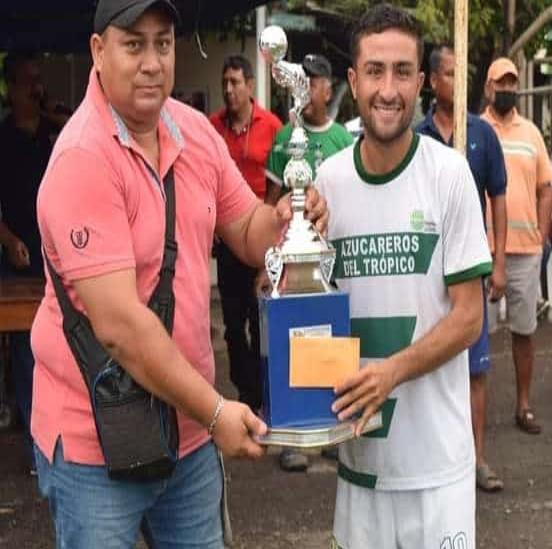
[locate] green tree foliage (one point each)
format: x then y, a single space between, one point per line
488 33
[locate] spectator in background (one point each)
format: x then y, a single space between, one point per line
528 203
326 137
486 162
27 135
249 131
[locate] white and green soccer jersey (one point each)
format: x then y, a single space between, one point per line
401 239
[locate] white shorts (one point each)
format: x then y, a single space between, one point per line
436 518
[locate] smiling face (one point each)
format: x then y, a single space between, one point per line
136 66
385 81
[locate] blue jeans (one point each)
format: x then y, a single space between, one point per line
91 511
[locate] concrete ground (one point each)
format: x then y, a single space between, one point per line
275 510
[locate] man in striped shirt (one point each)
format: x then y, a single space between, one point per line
529 204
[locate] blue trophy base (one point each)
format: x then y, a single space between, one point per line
293 407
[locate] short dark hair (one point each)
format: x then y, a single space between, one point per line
436 56
14 60
384 17
238 62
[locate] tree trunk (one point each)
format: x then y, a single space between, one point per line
509 10
533 29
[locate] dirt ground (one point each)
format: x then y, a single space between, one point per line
272 510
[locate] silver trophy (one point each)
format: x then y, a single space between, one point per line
304 262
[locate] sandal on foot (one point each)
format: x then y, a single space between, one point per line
487 480
527 422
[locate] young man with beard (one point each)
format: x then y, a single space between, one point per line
486 162
101 213
249 131
411 205
528 203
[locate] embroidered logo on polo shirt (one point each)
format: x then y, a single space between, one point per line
79 237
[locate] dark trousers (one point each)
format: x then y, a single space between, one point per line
22 365
240 310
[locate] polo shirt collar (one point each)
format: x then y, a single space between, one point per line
428 123
256 112
118 128
255 115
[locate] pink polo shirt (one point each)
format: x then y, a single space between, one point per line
101 209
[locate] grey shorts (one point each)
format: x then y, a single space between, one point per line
522 276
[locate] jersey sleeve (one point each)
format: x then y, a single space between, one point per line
465 247
83 218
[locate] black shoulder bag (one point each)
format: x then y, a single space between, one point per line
138 433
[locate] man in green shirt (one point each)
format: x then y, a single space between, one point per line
326 137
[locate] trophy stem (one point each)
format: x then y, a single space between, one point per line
304 262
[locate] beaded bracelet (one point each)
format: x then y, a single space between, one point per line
218 410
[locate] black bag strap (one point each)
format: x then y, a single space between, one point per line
163 291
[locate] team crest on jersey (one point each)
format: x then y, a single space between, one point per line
80 237
419 223
417 220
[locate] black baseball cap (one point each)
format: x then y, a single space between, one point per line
317 65
124 13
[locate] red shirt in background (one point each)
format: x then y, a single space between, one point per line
250 148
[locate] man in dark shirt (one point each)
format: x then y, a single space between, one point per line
26 138
486 161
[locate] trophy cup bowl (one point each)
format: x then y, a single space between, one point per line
273 44
303 263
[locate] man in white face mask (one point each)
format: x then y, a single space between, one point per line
528 204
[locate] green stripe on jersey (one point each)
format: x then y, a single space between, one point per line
379 179
364 480
483 269
381 337
384 254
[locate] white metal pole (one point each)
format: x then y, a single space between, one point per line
262 81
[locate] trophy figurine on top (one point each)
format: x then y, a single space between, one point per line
304 323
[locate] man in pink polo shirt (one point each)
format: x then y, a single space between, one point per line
101 212
529 204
